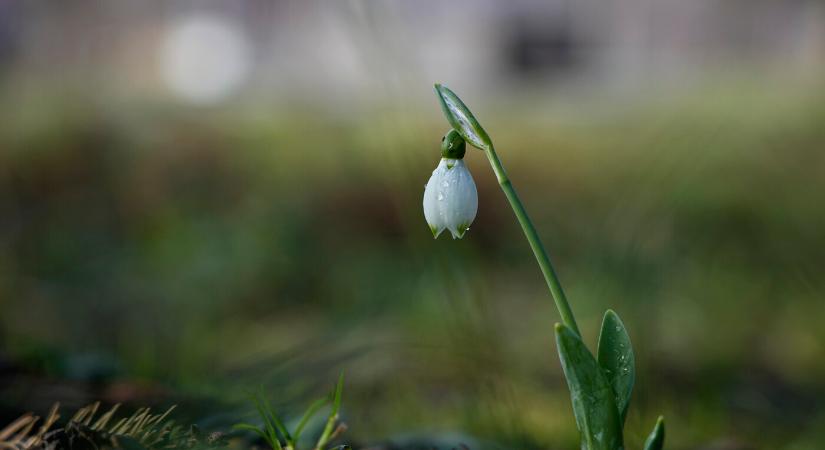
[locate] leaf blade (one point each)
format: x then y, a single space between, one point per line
277 422
308 415
268 427
252 428
326 435
591 395
617 360
339 389
656 440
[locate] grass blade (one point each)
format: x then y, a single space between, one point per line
104 419
270 430
326 435
339 389
13 427
276 421
252 428
310 412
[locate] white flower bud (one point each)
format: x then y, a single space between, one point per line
450 198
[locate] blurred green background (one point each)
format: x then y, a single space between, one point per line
198 198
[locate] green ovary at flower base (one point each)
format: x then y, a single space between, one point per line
600 387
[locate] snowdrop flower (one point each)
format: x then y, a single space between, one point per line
450 198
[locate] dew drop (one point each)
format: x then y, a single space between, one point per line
440 196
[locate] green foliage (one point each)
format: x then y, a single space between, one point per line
601 389
276 434
656 440
593 398
329 431
615 356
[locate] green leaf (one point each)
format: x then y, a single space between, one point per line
594 404
336 398
461 119
278 423
615 356
263 411
656 440
333 414
310 412
252 428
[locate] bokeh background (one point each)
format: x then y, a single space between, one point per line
201 197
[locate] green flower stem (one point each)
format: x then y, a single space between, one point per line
535 242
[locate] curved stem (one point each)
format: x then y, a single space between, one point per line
327 433
535 242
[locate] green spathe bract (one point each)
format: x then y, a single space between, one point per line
462 119
600 388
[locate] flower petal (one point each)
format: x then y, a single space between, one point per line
432 213
450 198
460 202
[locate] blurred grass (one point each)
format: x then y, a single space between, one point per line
153 252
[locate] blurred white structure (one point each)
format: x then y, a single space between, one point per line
204 58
